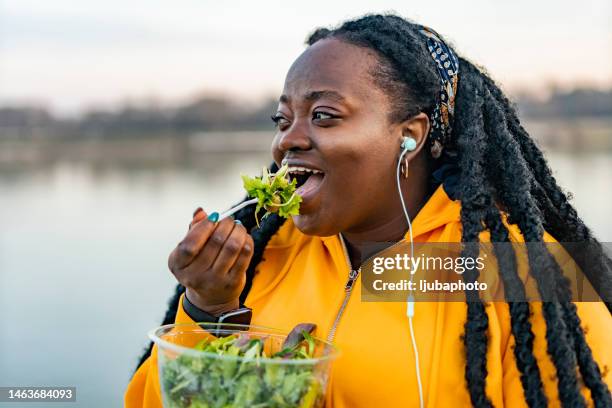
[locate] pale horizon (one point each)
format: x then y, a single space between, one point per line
73 56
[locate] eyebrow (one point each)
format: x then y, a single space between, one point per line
316 95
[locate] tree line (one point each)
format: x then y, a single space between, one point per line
224 114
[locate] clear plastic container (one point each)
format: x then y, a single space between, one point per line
191 378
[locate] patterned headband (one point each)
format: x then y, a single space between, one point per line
448 68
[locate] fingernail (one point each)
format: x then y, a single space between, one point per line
238 222
197 211
213 217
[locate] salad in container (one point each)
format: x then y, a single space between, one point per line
222 365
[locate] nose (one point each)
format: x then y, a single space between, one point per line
292 140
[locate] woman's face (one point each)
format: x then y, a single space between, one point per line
333 118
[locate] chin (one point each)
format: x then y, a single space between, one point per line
312 224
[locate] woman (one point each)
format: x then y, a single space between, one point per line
474 175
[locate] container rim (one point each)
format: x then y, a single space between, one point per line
333 352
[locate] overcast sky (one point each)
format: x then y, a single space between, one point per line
71 55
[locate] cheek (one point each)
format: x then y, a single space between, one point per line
360 166
365 140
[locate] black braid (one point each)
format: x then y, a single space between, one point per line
268 227
558 209
471 144
588 367
515 195
261 236
561 219
471 137
519 312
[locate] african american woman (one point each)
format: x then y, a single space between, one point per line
360 96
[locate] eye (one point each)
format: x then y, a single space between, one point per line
325 119
322 115
279 120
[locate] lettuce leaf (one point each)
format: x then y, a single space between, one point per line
274 192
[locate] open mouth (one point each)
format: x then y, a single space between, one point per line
307 179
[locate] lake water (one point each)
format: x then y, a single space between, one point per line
83 253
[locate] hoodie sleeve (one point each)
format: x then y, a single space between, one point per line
143 391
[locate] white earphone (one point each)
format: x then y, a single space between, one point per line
409 144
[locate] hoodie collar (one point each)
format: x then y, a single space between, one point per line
438 211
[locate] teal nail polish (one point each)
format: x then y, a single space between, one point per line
238 222
213 217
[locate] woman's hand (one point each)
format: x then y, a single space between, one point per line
211 262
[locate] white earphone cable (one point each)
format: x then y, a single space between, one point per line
410 300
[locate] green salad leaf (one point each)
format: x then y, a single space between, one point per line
274 192
216 382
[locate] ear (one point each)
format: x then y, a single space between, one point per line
416 127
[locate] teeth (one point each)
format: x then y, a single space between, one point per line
295 169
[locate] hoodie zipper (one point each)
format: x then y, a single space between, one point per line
348 287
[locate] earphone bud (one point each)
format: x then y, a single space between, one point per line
408 143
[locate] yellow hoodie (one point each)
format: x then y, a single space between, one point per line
302 279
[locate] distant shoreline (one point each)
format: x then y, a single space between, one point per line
580 135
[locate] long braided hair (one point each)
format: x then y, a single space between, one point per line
499 167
